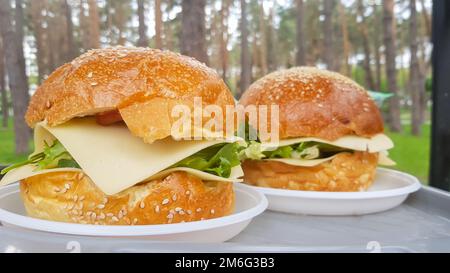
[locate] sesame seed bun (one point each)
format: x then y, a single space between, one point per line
142 84
72 197
322 104
316 103
346 172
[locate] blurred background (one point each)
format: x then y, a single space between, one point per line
383 45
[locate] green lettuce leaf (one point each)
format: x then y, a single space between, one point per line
252 151
53 156
217 159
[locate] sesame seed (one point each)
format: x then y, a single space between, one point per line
170 216
142 205
157 209
135 220
115 219
105 200
102 216
320 105
101 206
189 211
109 214
90 75
93 216
174 197
178 209
88 213
48 104
188 192
165 201
81 198
64 190
127 221
93 83
57 189
181 212
80 176
198 210
67 186
212 211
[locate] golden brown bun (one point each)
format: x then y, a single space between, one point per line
316 103
345 172
72 197
142 83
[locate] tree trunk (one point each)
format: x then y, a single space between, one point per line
19 17
426 18
142 29
193 32
272 43
377 45
313 30
94 25
415 78
365 40
346 45
84 26
158 24
300 57
72 50
38 32
391 72
57 28
224 36
4 95
17 78
263 40
328 50
246 65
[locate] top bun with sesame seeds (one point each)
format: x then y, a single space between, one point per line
316 103
126 83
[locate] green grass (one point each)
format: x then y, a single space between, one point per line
412 153
7 146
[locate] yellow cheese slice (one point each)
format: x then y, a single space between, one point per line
115 159
23 172
383 159
377 143
235 176
302 162
26 171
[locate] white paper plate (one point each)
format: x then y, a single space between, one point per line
389 190
249 203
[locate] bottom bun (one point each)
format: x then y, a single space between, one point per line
345 172
72 197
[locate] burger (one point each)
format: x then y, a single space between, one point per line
104 149
330 133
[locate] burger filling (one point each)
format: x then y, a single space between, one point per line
218 159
